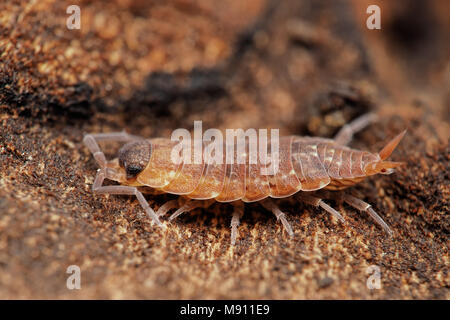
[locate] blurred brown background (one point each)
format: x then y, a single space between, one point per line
306 67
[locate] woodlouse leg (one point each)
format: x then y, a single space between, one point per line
364 206
237 214
98 188
315 201
166 207
191 205
271 206
345 135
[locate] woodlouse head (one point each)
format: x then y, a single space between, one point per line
134 157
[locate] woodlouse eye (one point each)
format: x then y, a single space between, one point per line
132 171
134 157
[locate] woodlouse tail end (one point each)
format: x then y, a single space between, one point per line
383 167
390 147
387 167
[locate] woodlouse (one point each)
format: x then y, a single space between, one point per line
307 164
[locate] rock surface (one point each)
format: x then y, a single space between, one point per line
149 67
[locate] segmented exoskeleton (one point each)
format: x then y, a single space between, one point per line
306 164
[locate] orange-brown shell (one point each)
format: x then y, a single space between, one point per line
306 164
